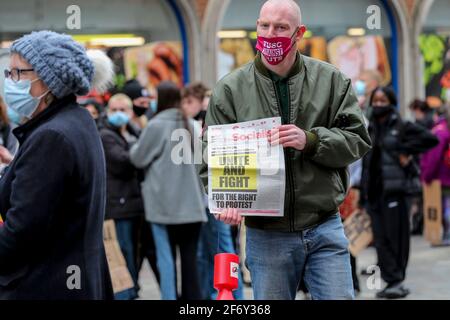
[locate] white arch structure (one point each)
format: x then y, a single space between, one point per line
420 19
193 31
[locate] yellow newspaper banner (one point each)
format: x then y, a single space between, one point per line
234 172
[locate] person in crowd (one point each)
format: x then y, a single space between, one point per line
144 107
368 80
192 103
172 192
389 172
143 104
355 173
52 195
145 247
423 114
435 165
124 201
427 117
322 133
215 236
96 109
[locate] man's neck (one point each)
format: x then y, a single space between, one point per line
284 67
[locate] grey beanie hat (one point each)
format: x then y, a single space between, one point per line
60 62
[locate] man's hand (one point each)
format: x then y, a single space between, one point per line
229 216
5 156
288 136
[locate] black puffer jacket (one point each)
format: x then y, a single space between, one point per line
382 172
123 189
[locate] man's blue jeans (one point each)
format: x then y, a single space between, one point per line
278 260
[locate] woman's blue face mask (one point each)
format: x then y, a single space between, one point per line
118 119
13 116
18 97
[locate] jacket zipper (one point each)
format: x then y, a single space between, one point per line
288 162
291 173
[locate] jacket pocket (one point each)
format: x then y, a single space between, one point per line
318 188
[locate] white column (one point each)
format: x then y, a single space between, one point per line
212 23
193 30
405 60
419 21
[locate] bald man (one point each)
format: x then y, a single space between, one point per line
322 133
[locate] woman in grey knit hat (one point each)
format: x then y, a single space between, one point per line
52 195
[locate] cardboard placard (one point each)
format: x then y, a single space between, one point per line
358 230
432 211
120 276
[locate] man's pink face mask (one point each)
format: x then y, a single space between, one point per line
275 49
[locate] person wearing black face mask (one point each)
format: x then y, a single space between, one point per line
141 102
387 176
382 111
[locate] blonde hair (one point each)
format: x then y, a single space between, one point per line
121 97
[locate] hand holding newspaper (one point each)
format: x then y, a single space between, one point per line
245 172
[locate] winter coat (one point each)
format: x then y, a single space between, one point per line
123 189
432 162
172 189
382 171
322 103
52 201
